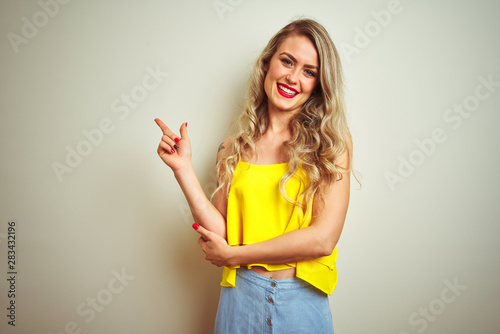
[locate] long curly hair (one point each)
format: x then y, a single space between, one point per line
319 132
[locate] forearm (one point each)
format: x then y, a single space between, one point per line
204 213
303 244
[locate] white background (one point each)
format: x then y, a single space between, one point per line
120 209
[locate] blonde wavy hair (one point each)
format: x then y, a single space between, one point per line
320 134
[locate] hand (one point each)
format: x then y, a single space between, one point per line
215 247
176 156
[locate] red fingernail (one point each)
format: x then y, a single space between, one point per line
196 226
186 124
172 151
177 140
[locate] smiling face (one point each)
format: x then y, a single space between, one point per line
292 74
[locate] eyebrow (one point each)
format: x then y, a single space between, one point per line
295 60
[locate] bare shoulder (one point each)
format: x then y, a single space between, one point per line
344 160
224 148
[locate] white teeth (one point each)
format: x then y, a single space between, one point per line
286 90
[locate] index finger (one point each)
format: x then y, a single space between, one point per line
201 230
163 127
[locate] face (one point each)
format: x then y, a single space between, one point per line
292 75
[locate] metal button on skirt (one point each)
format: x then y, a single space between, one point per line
258 304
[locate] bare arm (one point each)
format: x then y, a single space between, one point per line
178 158
319 239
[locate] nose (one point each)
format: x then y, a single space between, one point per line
292 77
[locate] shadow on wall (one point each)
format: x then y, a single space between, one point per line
201 277
170 247
201 281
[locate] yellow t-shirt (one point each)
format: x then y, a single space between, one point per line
257 211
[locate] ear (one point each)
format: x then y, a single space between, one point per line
266 66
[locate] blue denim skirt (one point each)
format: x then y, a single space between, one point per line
258 304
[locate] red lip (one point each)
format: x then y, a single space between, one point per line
288 96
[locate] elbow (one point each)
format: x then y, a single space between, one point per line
328 250
325 246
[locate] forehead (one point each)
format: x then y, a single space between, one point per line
301 48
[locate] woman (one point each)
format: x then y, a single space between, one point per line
284 180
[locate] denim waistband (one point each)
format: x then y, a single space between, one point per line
266 282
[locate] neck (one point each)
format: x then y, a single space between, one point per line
278 124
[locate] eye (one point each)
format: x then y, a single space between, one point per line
310 73
286 62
